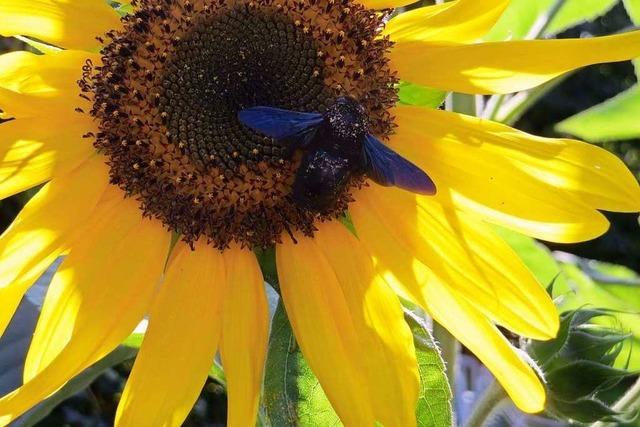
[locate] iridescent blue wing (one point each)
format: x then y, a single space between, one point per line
388 168
278 123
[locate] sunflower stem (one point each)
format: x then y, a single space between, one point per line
492 397
449 348
544 20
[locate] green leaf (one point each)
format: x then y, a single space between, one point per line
76 384
412 94
575 12
292 394
523 15
633 9
434 403
614 120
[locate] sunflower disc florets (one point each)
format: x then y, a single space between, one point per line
168 92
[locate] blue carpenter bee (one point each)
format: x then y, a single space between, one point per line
336 145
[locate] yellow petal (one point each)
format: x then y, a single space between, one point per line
505 67
32 152
109 251
44 228
544 188
384 4
180 343
414 280
46 75
66 23
340 310
399 267
244 335
43 83
19 105
485 341
96 299
392 363
461 21
461 251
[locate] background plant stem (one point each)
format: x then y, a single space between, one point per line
627 404
449 348
491 398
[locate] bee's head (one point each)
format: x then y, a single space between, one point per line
347 118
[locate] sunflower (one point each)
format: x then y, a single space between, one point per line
156 194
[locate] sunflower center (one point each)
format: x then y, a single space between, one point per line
172 82
238 59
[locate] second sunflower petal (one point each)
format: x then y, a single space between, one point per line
463 253
548 189
359 319
44 229
245 329
461 21
69 24
505 67
180 343
92 304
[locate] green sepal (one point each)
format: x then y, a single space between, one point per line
578 367
582 378
584 411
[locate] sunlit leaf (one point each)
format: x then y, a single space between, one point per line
412 94
575 12
523 16
633 9
434 403
613 120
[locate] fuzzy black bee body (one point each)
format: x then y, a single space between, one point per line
336 146
332 155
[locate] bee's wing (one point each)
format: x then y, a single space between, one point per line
388 168
278 123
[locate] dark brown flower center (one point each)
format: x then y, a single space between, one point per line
168 93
